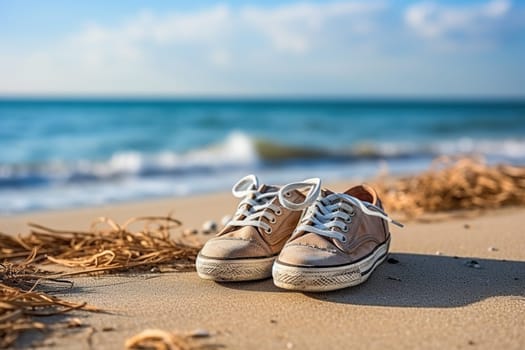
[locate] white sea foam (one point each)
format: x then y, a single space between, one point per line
507 148
237 151
132 175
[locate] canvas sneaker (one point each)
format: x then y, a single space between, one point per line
338 243
247 246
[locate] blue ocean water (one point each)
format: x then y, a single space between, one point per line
69 153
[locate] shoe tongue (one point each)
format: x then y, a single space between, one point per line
266 189
364 193
326 192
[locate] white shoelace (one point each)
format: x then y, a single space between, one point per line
255 205
326 213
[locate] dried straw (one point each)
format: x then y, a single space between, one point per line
19 305
26 276
158 339
107 246
454 184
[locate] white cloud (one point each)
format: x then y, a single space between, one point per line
310 48
130 40
292 27
182 51
434 21
289 28
221 57
201 26
124 57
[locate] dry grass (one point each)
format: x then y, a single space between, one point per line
454 184
107 246
18 309
157 339
20 303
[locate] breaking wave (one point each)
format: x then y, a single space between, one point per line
239 151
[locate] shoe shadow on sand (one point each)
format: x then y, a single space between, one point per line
417 280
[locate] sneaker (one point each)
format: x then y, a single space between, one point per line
340 240
246 248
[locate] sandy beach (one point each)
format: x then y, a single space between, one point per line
124 125
427 296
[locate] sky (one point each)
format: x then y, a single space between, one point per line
263 48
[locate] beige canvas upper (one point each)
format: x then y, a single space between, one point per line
365 233
237 242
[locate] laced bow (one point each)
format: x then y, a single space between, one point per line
325 213
255 205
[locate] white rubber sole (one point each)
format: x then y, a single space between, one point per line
322 279
234 270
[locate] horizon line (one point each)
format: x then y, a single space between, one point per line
255 98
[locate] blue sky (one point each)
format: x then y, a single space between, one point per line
249 48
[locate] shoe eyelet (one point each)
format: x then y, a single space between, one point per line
278 212
352 213
287 194
348 220
343 239
273 221
268 231
345 228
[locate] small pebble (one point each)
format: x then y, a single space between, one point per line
226 219
493 249
439 253
209 226
74 323
471 342
273 321
200 333
466 226
190 231
473 263
516 279
289 345
108 329
154 269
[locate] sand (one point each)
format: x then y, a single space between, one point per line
425 300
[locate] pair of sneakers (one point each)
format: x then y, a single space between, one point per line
306 237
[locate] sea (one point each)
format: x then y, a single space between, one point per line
67 153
